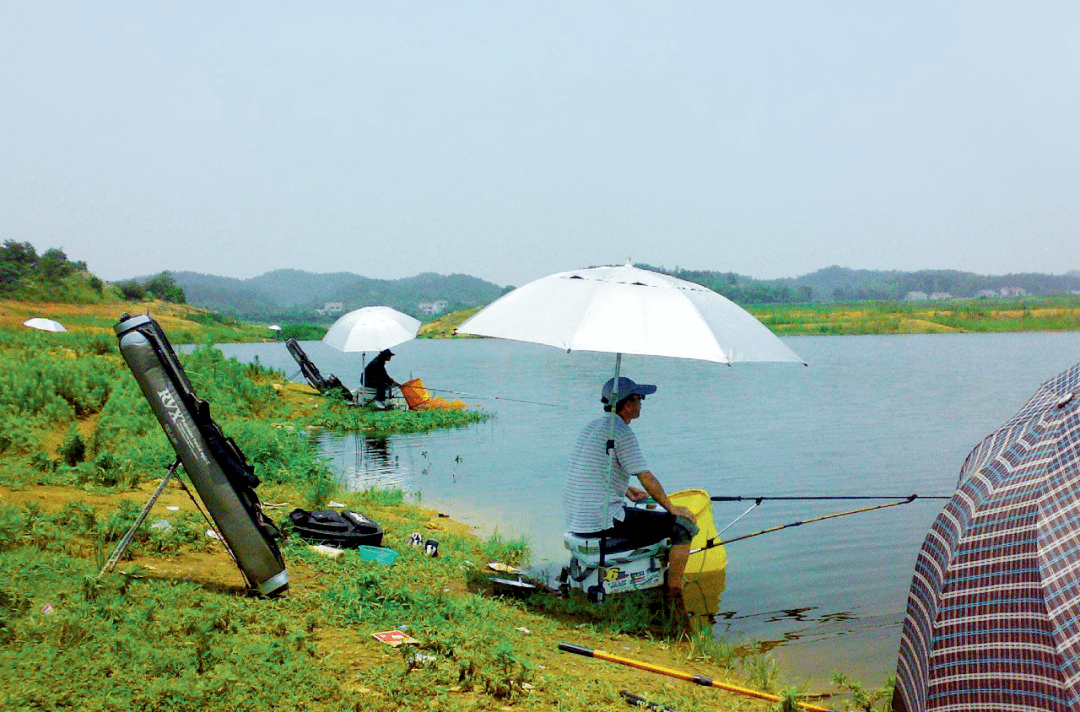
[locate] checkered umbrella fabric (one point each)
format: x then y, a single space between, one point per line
993 615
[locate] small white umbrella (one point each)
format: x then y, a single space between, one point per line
44 324
274 327
371 329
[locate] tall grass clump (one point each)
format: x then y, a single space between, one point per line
343 418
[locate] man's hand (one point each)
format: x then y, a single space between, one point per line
636 495
684 512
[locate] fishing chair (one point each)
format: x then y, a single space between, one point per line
600 565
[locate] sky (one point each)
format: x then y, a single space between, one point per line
511 140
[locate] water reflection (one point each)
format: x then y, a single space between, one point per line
364 462
378 450
701 596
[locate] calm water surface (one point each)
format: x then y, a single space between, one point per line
890 415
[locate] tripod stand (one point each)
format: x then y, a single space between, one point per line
125 541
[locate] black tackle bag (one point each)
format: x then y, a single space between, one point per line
344 529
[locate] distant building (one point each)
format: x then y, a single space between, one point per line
938 296
1012 291
331 308
915 297
986 294
436 307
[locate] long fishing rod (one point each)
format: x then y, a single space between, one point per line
477 395
689 677
714 542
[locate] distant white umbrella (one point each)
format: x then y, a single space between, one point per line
44 324
274 327
371 329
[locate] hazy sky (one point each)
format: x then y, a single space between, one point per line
510 140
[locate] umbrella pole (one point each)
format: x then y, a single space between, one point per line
611 431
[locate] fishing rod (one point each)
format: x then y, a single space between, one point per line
477 395
689 677
714 542
639 701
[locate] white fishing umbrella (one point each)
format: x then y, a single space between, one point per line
44 324
371 329
627 310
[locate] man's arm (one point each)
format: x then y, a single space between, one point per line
656 491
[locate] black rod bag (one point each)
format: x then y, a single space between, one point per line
312 374
345 529
224 480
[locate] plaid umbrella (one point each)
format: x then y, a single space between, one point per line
993 616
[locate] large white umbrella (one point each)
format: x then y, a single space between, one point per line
627 310
371 329
44 324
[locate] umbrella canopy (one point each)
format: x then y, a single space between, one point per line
993 616
274 327
371 329
627 310
44 324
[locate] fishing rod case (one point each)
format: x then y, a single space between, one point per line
312 374
344 529
224 480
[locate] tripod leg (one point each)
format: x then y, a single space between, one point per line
119 551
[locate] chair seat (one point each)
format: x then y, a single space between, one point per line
616 550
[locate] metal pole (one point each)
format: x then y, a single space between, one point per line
126 540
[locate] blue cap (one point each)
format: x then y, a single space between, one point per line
627 388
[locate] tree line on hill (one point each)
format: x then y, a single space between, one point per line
292 296
52 277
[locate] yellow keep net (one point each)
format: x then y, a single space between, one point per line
419 398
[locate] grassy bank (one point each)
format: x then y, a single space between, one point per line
173 629
183 324
950 316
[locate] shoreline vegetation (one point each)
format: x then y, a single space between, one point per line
173 629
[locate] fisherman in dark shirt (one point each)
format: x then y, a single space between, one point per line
376 377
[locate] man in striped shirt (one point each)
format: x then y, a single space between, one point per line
594 491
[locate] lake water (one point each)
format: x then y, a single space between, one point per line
870 415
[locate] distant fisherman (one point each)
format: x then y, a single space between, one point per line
376 377
593 501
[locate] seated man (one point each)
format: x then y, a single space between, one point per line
376 377
593 499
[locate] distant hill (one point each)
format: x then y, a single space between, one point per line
295 295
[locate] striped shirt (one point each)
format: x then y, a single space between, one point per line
593 499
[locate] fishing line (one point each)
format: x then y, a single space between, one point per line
476 395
